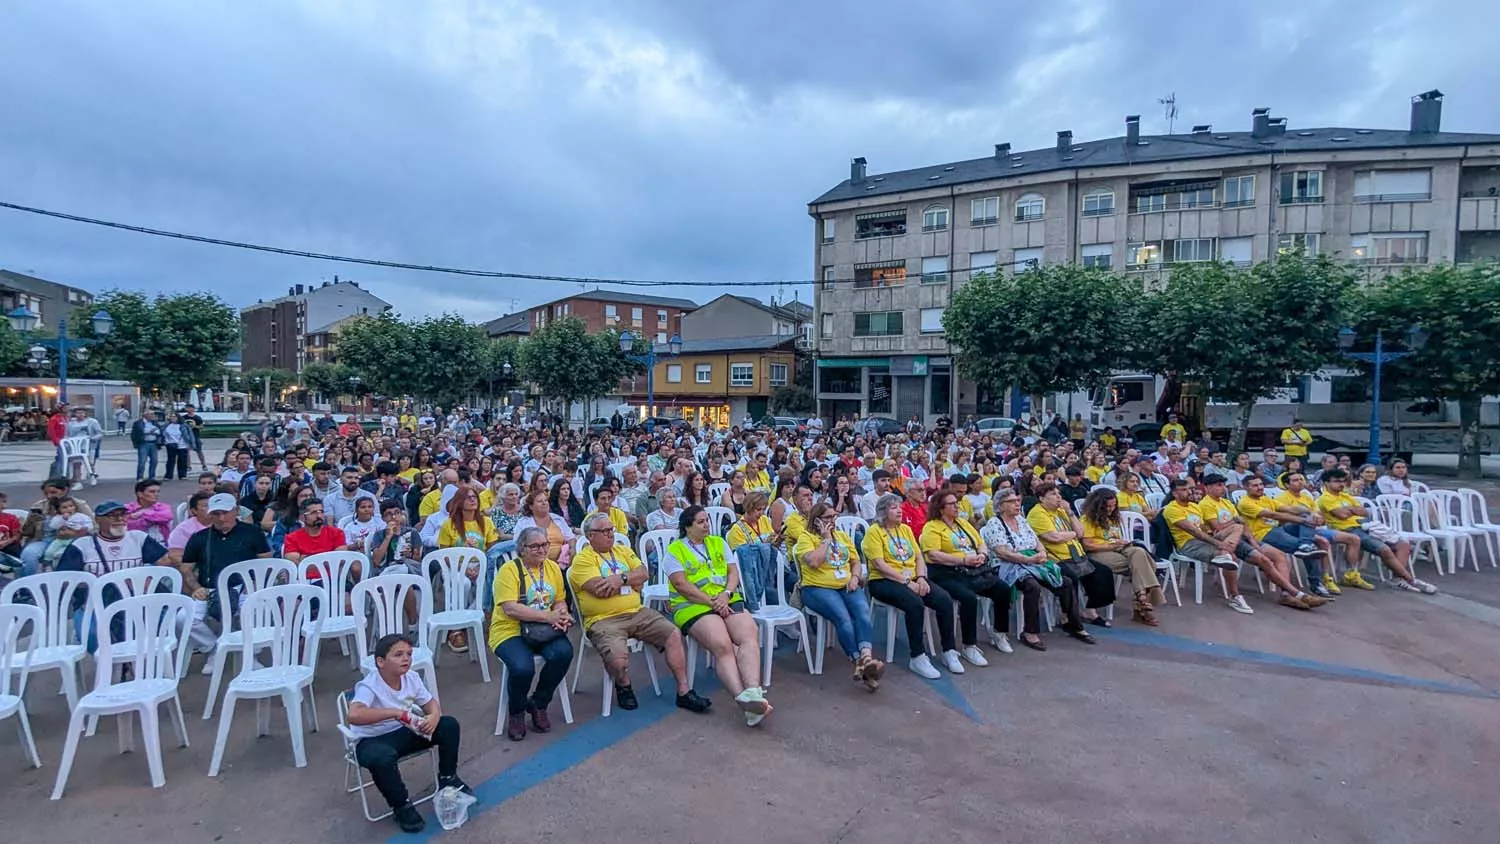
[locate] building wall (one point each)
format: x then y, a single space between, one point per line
594 314
273 336
731 317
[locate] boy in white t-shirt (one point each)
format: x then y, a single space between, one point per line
393 715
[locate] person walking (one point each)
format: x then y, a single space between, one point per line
57 429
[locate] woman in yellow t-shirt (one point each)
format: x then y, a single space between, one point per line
831 580
1060 533
956 559
898 578
531 591
466 527
1098 467
1107 544
1131 498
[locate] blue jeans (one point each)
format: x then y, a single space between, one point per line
758 563
1288 537
517 656
491 567
31 557
849 612
146 452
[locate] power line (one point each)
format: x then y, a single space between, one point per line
430 268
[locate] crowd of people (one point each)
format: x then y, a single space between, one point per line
835 523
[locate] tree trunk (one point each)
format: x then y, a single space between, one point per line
1241 427
1469 438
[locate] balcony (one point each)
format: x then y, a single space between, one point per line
1308 199
882 224
1393 197
1479 214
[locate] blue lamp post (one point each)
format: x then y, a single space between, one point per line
1416 338
627 346
24 321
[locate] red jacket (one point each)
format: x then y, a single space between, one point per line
57 427
915 517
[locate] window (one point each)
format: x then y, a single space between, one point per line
877 324
932 320
1027 259
984 212
557 311
703 373
661 319
1140 255
880 224
1197 198
1151 202
981 262
935 219
1239 191
1192 249
828 278
1393 186
1393 248
1237 250
1298 244
674 373
1099 202
1098 255
1030 207
1301 186
827 325
830 227
935 270
886 274
778 375
611 314
742 375
635 317
661 338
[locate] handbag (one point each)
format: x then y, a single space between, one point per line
1380 530
1077 566
535 633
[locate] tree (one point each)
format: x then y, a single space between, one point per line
329 379
1459 308
497 353
1243 333
1052 329
252 382
449 364
382 350
568 363
167 343
792 399
12 346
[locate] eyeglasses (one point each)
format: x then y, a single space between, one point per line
532 546
602 530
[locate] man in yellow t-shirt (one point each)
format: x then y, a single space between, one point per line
1225 520
1197 539
1344 513
1281 529
607 580
1173 432
1308 524
1296 439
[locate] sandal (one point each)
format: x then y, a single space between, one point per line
1081 635
1101 621
1036 644
1143 611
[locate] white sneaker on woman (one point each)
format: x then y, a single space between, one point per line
921 666
952 663
975 656
1001 643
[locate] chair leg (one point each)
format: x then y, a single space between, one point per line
262 716
802 629
126 730
768 640
226 717
220 658
23 726
478 652
651 669
151 738
606 698
692 660
70 750
890 633
292 701
179 723
312 707
565 699
69 673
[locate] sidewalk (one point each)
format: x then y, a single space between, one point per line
28 464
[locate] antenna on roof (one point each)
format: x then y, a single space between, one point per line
1169 107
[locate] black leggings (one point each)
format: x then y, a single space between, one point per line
959 587
1098 585
913 607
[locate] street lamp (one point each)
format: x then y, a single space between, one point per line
24 321
627 346
1416 338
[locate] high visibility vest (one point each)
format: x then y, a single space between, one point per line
711 576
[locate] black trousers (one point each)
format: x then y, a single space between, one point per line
960 588
913 607
1098 585
380 755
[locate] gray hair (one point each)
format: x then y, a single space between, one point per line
588 523
510 487
885 503
527 536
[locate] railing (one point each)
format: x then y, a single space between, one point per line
894 230
1099 212
1302 200
984 221
1393 197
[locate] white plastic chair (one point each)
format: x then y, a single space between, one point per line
1431 520
1236 496
14 617
77 448
769 618
716 491
1138 529
1450 510
581 542
854 526
250 576
354 775
1475 513
52 642
150 623
19 512
562 693
462 604
720 519
181 513
382 600
1399 512
1078 506
606 693
130 583
287 610
334 569
1154 500
1110 487
657 591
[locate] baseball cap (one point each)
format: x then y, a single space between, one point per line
107 507
222 503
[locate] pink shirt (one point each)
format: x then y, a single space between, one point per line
155 521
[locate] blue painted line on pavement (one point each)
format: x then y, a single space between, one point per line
945 688
1238 654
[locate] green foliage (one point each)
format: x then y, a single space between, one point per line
12 346
1057 328
383 350
252 381
450 359
330 379
792 399
168 343
565 362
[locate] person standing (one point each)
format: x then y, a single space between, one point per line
175 440
57 429
1295 439
192 428
145 436
122 421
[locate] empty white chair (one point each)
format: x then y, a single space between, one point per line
1430 520
1399 512
720 520
381 601
288 612
52 644
14 617
462 605
77 448
716 491
150 624
562 693
354 775
1475 513
657 591
1450 509
130 583
248 577
333 569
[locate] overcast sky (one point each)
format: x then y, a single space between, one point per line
657 139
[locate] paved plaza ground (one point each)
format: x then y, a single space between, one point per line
1371 720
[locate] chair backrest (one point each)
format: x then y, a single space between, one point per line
657 540
1236 496
581 542
131 582
1476 511
13 618
1110 487
716 491
74 447
333 569
1154 500
251 576
720 519
287 611
54 593
1078 506
182 511
382 600
150 622
1137 526
589 496
1418 486
1448 506
460 592
1398 511
855 526
19 512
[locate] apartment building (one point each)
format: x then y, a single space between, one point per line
732 315
276 331
890 248
717 380
49 300
655 317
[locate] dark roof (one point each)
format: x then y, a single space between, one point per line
37 286
1152 148
630 298
793 310
759 342
509 324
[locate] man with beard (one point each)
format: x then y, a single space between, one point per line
315 536
112 548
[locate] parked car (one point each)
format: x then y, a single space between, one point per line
782 423
885 426
599 426
993 425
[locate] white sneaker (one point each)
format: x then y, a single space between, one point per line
1237 603
975 656
952 663
922 667
1001 643
1424 586
1223 561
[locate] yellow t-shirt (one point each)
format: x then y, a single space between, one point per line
969 504
1108 440
1294 441
1176 514
1111 532
1132 501
898 549
431 502
1094 473
837 566
539 593
1172 428
937 536
793 525
1288 501
616 518
480 534
1252 509
1327 503
743 533
486 500
1221 509
1043 521
408 475
757 480
589 564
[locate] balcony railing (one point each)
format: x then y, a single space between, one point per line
1393 197
1302 200
883 230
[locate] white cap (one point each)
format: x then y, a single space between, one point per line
223 503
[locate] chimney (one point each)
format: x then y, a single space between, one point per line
301 290
857 171
1427 113
291 291
1260 122
1064 141
1132 130
1276 126
1002 150
1203 129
